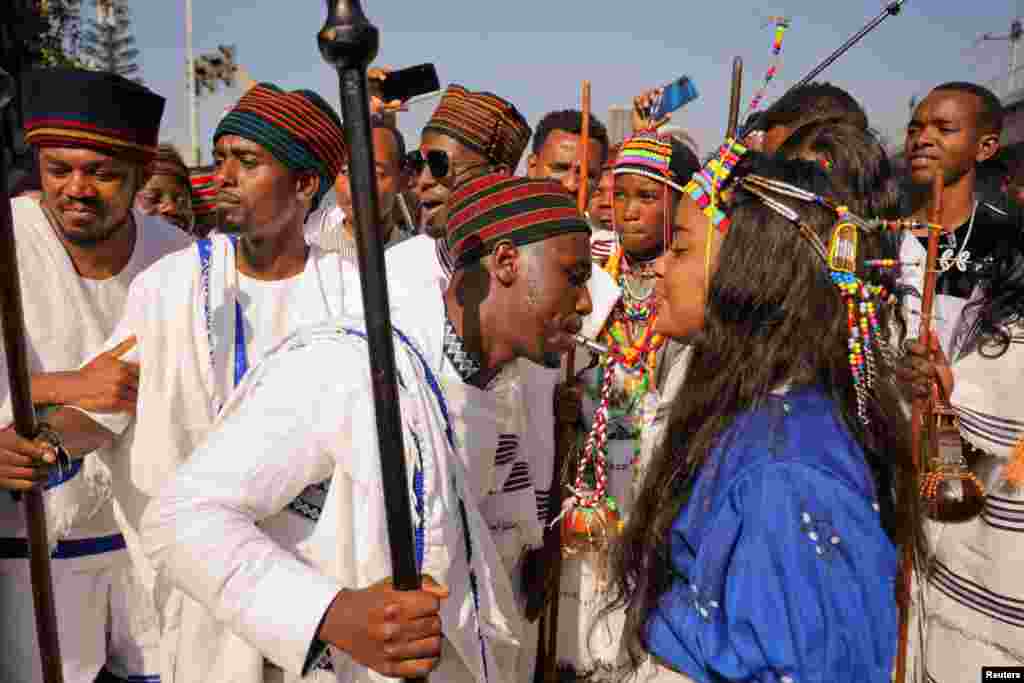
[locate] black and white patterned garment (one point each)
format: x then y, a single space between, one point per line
489 424
974 594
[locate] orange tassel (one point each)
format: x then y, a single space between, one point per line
1014 473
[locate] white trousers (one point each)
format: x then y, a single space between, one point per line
104 619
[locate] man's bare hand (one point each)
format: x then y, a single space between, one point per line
375 76
920 370
108 384
24 464
642 105
395 633
568 400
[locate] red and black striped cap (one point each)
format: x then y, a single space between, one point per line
499 207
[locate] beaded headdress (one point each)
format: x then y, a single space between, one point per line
842 258
658 157
706 184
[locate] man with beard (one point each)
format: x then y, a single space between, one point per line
331 228
80 247
202 316
953 130
521 257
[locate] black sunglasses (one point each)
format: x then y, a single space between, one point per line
436 159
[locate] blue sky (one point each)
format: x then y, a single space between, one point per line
535 53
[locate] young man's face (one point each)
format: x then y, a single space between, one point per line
943 137
558 159
256 194
390 178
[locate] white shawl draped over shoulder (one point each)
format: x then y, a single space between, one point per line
304 412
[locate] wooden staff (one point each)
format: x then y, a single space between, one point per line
349 42
25 425
547 653
734 98
923 411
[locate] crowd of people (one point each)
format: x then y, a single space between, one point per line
740 491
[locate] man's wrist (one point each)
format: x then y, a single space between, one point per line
325 632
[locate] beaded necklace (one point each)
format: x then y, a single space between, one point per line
627 351
592 512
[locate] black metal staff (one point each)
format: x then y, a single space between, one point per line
891 10
349 42
25 423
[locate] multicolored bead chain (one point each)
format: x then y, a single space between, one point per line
704 187
631 353
781 24
865 333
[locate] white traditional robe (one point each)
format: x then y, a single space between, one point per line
67 321
975 595
183 384
306 415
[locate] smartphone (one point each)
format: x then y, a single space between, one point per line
674 96
410 82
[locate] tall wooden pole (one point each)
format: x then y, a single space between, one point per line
548 652
16 349
923 410
349 42
735 92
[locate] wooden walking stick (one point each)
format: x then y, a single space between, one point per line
349 42
923 409
547 651
25 424
734 98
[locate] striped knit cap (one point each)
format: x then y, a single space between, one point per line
204 190
658 157
92 110
499 207
483 122
299 128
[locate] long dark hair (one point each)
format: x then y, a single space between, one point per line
861 177
773 318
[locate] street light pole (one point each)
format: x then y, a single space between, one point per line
190 87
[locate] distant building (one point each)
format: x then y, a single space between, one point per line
680 134
620 124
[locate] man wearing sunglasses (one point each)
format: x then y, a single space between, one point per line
469 134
